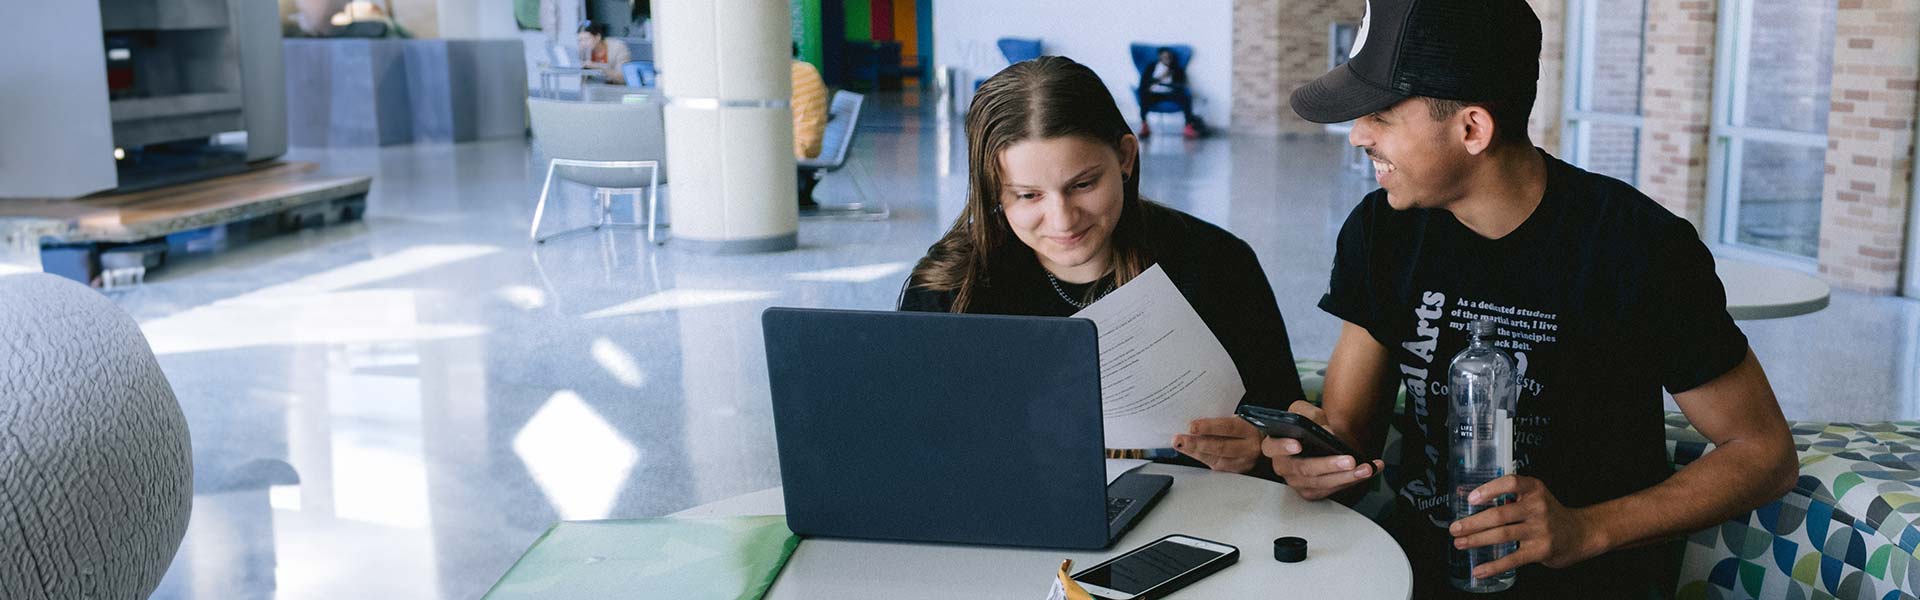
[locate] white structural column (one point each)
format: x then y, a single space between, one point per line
56 135
725 71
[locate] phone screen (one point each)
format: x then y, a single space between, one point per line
1147 567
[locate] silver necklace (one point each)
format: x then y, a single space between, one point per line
1069 299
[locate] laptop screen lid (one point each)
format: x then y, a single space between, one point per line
939 427
562 56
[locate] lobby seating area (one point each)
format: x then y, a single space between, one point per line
445 299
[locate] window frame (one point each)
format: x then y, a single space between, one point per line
1577 121
1727 141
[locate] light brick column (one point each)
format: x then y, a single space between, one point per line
1545 122
1257 103
1677 102
1280 45
1303 49
1870 145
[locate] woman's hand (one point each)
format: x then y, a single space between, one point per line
1224 444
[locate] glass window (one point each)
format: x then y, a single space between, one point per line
1605 51
1780 197
1789 65
1770 123
1612 150
1617 50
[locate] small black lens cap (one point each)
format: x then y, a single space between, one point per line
1290 549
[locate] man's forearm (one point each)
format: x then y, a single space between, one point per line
1363 428
1732 479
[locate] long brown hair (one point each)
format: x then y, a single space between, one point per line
1047 97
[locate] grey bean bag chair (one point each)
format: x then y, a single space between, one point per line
96 473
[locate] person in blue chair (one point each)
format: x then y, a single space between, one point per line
1054 220
1603 298
1166 81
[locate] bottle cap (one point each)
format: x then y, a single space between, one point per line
1290 549
1484 327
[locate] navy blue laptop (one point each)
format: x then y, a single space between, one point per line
938 427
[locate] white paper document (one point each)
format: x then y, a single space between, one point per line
1120 466
1160 367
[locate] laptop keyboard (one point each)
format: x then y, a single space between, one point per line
1115 506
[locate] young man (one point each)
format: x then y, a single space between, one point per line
1603 298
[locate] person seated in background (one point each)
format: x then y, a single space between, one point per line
1603 298
1054 221
602 54
809 103
1165 79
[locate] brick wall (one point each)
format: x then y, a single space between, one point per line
1280 45
1677 101
1870 144
1257 102
1545 122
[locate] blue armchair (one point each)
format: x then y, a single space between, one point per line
1145 54
1015 50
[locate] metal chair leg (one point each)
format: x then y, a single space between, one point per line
653 205
540 210
605 198
606 208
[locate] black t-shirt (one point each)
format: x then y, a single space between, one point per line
1603 298
1217 272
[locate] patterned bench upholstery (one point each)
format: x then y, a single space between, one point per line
1847 531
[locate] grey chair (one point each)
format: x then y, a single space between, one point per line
843 121
96 468
617 148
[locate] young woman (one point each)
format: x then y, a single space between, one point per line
1054 220
605 55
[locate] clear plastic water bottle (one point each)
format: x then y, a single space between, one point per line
1485 391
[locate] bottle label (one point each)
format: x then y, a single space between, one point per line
1503 438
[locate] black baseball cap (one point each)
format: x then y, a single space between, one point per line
1466 50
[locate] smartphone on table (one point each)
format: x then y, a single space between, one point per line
1315 441
1156 569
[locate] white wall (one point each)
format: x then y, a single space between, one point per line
56 136
478 19
1096 34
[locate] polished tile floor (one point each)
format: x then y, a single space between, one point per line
396 408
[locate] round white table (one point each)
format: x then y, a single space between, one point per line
1348 556
1756 291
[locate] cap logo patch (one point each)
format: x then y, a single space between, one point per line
1366 24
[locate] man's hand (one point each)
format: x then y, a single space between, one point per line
1548 533
1225 444
1319 477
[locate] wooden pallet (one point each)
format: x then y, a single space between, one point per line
266 190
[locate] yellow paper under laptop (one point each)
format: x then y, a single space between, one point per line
1064 587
